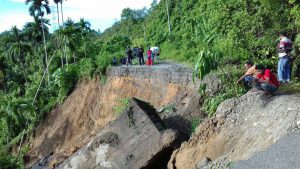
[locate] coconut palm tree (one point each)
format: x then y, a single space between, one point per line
85 28
16 49
33 32
57 10
61 11
38 8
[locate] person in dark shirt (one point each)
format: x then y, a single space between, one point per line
129 55
141 55
114 61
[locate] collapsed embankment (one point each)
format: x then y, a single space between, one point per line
241 127
91 107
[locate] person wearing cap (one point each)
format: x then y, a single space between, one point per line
266 80
249 76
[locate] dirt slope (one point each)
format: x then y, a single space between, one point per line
91 106
241 127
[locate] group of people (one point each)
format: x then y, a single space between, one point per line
152 54
261 78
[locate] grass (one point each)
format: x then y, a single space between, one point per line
292 88
168 108
230 89
195 123
122 106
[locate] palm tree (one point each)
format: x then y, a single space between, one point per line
71 33
56 2
85 29
33 32
61 11
38 8
16 49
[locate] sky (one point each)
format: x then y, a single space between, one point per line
100 13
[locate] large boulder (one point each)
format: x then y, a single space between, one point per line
136 139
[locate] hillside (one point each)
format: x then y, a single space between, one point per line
58 89
239 29
91 132
96 103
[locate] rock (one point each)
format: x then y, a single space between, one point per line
204 162
137 139
212 84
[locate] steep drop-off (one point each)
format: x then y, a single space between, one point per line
91 106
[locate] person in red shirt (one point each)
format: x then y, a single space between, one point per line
150 61
266 80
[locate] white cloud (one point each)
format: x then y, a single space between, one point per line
13 19
101 13
99 9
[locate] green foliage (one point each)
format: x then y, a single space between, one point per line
86 67
122 106
168 108
227 91
103 61
65 80
194 124
207 62
8 161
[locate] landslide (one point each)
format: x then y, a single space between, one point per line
92 106
240 128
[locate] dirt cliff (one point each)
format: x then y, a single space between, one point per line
91 106
241 127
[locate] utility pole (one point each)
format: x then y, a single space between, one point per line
168 16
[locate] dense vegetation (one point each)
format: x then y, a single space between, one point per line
38 69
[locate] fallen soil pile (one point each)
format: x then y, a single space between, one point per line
92 106
136 139
241 127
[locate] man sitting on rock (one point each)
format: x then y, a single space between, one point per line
266 80
249 76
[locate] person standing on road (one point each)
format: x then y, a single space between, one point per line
129 55
149 52
284 64
141 56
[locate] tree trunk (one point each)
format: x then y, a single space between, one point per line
58 15
45 48
59 40
169 25
61 11
65 49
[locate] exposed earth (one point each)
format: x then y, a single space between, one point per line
247 131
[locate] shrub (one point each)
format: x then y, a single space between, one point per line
8 161
65 80
86 67
102 62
